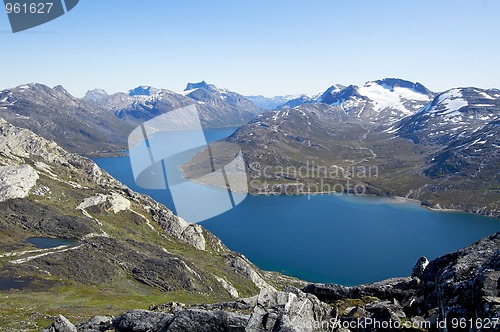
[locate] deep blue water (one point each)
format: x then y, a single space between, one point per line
14 283
46 243
330 238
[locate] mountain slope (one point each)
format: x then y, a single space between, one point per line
270 103
451 115
309 99
126 246
445 154
220 106
381 102
56 115
462 127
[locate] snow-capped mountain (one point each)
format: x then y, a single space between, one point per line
95 95
451 115
218 107
380 102
443 150
139 104
301 100
330 93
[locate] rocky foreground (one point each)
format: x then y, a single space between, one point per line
458 291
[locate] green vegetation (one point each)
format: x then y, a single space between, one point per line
343 305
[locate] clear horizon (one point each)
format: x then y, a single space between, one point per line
257 48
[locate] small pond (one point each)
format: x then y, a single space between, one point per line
47 243
14 283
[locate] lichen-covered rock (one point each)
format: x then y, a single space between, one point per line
396 288
227 286
16 181
288 310
245 268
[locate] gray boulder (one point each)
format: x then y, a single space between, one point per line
419 267
96 324
288 310
16 181
61 324
142 321
197 320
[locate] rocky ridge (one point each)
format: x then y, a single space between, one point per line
53 113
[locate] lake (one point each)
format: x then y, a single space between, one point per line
329 238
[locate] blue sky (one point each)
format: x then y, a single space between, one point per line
257 46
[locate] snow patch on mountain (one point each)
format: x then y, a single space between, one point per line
383 96
452 101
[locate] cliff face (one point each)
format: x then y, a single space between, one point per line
447 294
124 244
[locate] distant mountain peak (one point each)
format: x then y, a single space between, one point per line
95 95
391 83
199 85
143 90
31 85
61 89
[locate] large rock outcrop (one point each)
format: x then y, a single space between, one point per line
16 181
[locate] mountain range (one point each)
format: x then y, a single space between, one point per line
53 113
99 123
428 146
441 149
217 107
